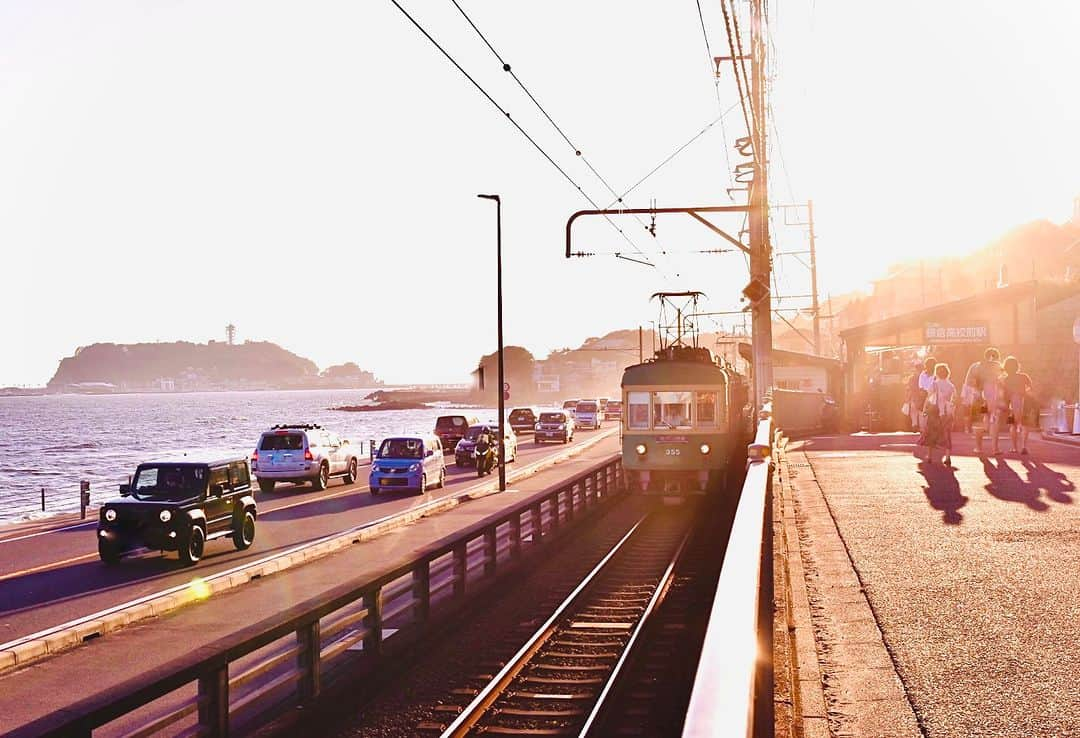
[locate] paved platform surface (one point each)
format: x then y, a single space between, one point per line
942 601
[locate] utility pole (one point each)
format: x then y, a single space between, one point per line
813 280
640 346
760 250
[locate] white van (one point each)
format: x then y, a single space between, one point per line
588 414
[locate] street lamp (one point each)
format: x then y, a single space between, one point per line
498 312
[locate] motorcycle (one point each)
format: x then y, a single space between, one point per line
485 459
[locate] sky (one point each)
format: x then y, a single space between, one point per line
309 171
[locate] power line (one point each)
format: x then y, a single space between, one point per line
577 150
671 156
719 104
516 125
737 68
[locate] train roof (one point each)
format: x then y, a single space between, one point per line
674 372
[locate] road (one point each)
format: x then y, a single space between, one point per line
52 576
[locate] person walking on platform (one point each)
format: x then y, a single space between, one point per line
912 407
984 380
926 382
1020 404
940 410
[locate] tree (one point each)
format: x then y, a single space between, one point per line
518 365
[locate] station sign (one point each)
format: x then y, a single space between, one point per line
973 332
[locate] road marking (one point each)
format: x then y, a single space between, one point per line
46 532
43 567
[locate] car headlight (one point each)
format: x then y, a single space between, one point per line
562 426
110 515
536 427
165 516
414 467
705 448
640 448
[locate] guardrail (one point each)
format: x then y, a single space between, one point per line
732 693
282 659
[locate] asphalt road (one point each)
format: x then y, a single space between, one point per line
52 576
973 574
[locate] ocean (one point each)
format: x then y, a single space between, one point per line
54 441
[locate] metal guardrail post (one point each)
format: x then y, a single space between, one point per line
490 552
515 537
308 641
421 591
556 510
537 523
461 567
373 621
214 702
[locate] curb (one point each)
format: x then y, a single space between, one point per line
809 716
22 651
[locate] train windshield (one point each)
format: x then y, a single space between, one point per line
706 409
637 415
672 409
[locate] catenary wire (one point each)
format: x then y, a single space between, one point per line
576 149
719 105
672 155
516 125
735 66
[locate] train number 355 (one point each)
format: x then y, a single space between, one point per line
673 451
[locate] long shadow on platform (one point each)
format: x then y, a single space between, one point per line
1006 484
942 491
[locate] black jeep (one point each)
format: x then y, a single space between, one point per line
179 506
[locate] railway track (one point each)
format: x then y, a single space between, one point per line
558 681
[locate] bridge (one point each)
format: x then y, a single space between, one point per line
841 586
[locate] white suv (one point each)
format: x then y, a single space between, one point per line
302 453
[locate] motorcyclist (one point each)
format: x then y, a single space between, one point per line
485 452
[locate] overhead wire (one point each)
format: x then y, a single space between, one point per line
719 104
672 155
513 122
736 67
576 149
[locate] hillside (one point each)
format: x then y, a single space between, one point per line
182 365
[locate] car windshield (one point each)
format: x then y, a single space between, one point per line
450 422
401 448
570 404
614 405
474 432
521 416
586 407
282 442
169 481
552 418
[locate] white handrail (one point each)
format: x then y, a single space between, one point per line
722 701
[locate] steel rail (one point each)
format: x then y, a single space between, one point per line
476 709
661 590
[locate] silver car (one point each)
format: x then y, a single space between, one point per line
302 453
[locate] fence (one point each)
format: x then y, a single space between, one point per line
282 659
732 693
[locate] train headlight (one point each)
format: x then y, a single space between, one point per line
705 448
110 515
165 516
640 448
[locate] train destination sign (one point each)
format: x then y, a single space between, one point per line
966 333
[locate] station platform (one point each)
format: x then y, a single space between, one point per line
925 600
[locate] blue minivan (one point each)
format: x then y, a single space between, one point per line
408 462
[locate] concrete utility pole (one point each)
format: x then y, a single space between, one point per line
813 279
760 249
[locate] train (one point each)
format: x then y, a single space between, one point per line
685 414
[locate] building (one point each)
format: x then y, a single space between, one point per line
1030 320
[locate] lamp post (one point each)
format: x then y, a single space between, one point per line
498 312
